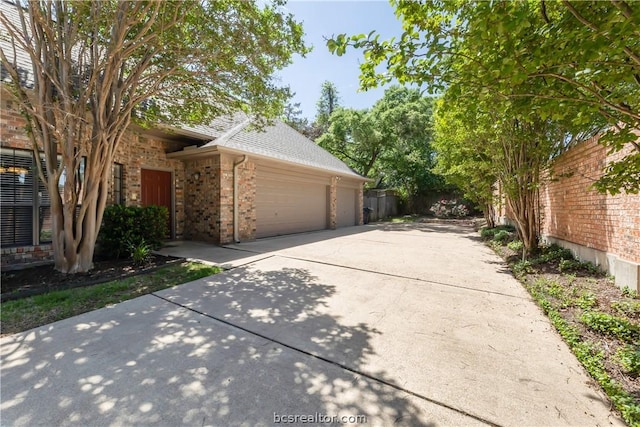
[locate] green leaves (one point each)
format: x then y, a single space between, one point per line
573 61
338 45
390 142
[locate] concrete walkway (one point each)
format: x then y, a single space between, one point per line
407 324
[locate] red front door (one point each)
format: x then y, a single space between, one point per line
156 190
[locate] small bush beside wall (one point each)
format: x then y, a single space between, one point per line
123 226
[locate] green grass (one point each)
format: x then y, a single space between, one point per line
404 219
23 314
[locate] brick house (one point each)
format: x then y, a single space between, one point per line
229 182
222 182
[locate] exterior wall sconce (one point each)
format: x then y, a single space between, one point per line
196 176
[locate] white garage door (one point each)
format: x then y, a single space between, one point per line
287 204
346 208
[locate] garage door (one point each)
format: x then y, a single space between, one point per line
346 208
286 205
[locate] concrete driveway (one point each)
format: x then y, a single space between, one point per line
416 325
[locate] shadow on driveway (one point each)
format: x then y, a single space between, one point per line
148 361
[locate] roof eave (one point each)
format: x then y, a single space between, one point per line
193 153
205 151
235 151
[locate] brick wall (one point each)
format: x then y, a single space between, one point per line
12 132
247 205
209 199
25 255
226 199
202 207
135 153
574 212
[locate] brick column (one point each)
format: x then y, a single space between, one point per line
226 199
247 201
332 201
360 205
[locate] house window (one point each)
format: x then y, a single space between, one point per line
17 182
25 205
118 184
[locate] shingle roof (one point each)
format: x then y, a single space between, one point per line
281 142
218 127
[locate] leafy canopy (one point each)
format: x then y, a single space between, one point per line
390 142
98 66
579 61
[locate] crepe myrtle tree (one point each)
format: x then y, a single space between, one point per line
95 63
578 60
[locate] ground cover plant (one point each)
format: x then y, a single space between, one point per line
599 321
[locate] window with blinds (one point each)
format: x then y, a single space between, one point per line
17 196
118 184
25 205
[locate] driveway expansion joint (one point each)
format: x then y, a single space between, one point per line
334 363
398 276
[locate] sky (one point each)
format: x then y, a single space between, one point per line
323 19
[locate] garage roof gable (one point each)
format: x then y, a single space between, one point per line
281 142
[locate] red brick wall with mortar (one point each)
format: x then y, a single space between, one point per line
333 200
574 212
246 201
12 125
247 205
360 206
226 199
202 199
135 152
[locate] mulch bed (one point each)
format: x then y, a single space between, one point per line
606 294
31 281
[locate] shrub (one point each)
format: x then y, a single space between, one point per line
516 245
502 236
553 253
140 252
126 225
449 209
523 267
628 292
488 233
587 301
573 265
569 265
627 308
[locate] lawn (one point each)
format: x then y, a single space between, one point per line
26 313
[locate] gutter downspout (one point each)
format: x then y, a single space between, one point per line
236 237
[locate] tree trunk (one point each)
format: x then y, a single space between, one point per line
524 211
489 215
75 234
